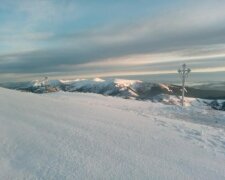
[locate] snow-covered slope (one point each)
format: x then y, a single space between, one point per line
88 136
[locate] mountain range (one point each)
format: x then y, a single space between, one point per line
210 94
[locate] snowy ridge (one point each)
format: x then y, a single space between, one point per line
129 89
116 87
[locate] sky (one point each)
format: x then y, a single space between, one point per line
119 38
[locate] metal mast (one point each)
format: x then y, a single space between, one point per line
183 72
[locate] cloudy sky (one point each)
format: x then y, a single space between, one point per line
103 38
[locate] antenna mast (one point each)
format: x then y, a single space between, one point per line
183 72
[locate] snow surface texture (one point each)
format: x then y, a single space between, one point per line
88 136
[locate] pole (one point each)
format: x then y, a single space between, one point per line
183 71
183 84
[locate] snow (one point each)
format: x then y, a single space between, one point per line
163 86
125 82
99 80
88 136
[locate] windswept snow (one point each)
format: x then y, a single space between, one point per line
88 136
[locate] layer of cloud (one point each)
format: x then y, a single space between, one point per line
187 33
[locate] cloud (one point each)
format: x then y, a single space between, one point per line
39 11
27 25
196 30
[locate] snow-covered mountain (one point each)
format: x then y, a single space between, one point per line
88 136
129 89
114 87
